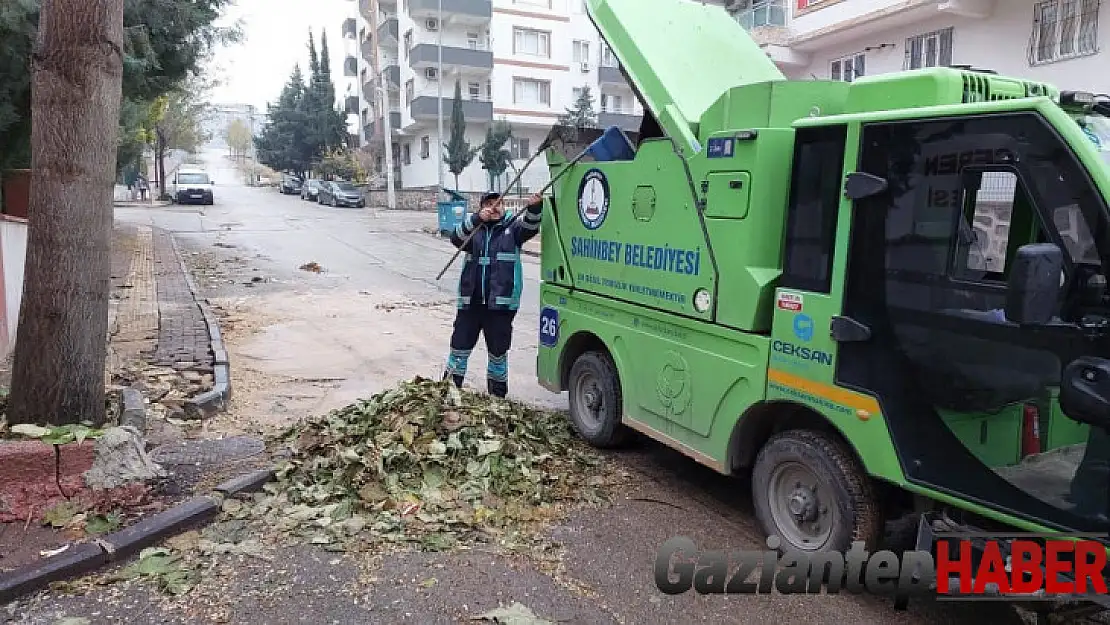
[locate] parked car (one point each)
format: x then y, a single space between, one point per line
290 185
191 185
310 190
341 194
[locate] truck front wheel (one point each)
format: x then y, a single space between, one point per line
810 492
595 400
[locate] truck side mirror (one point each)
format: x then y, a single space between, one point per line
1085 391
860 185
1034 286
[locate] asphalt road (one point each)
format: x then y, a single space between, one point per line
302 342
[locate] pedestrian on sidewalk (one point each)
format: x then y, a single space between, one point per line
490 285
144 188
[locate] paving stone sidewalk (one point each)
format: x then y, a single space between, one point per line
154 313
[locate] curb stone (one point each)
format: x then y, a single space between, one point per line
214 400
83 558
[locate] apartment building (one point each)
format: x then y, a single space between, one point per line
521 61
1056 41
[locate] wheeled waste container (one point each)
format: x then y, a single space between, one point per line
451 212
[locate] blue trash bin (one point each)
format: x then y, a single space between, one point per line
451 212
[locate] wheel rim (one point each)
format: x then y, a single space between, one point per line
801 506
589 400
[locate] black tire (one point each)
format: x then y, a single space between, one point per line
600 427
855 512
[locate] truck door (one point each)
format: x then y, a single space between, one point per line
928 262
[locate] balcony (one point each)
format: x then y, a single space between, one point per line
366 9
610 75
425 55
387 32
474 111
766 21
841 22
367 48
391 76
454 11
626 121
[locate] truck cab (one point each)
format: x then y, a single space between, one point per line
869 298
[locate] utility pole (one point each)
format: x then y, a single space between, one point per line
439 98
391 198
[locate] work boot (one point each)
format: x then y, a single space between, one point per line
457 379
497 388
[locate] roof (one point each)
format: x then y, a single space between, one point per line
680 56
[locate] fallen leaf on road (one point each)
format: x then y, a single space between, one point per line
516 614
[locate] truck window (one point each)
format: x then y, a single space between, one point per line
813 208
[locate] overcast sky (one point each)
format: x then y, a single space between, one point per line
276 37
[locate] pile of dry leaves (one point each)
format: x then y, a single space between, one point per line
427 463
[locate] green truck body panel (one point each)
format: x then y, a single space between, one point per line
702 215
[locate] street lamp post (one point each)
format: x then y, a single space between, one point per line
439 98
391 198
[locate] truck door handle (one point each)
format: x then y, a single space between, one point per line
848 330
735 184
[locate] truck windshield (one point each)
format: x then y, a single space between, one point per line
192 178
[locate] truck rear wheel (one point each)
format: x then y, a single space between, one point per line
595 400
809 491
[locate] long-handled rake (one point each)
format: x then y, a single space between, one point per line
557 133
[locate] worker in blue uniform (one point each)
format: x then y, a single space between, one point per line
490 286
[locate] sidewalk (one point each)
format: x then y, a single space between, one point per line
156 319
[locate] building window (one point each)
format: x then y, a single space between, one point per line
408 43
581 51
409 91
528 91
473 40
489 90
612 103
1063 29
810 4
518 148
608 59
576 93
425 147
847 69
407 155
474 89
929 50
756 13
533 42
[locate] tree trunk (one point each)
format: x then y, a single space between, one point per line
77 68
160 161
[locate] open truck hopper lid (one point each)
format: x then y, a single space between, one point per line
681 57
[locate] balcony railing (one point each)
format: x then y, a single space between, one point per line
610 75
626 121
426 55
482 9
387 31
766 13
426 107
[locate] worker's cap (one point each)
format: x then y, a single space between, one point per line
489 197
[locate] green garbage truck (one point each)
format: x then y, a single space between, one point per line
873 299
